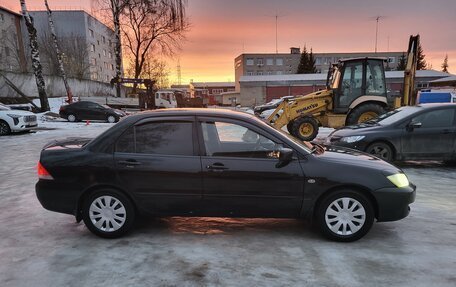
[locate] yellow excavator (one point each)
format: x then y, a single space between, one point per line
355 92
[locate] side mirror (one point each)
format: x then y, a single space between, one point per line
413 125
285 157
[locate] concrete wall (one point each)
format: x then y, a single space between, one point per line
54 86
252 95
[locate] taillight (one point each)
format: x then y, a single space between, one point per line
43 173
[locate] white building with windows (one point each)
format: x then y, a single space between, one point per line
96 38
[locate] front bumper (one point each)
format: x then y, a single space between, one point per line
393 203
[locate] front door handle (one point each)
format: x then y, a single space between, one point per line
216 167
129 162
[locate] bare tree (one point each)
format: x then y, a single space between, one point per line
74 56
36 64
153 68
151 26
116 8
58 53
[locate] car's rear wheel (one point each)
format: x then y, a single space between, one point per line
71 118
381 150
108 213
345 215
4 128
111 119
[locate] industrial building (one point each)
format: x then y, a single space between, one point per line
283 63
12 55
256 90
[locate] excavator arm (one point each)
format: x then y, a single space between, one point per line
408 98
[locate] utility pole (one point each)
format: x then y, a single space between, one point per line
179 74
276 17
377 18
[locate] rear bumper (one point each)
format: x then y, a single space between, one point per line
57 198
393 203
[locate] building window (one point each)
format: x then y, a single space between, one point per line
91 32
279 61
260 73
391 60
249 73
110 55
217 91
109 43
94 61
260 62
99 55
103 39
279 73
112 67
104 53
317 61
249 62
92 47
269 61
98 42
269 72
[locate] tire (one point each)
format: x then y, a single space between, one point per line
290 127
304 128
99 211
4 128
345 216
364 113
72 118
381 150
111 119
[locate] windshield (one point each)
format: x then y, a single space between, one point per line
394 116
4 108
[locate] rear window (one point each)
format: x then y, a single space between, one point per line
166 138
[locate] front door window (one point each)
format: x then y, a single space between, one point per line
352 82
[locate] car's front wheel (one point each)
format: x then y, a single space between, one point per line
111 119
381 150
4 128
108 213
345 216
71 118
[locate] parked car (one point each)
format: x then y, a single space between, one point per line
85 110
214 162
16 120
422 132
270 105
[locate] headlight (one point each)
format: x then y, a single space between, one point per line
352 139
399 179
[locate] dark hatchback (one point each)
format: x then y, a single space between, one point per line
86 110
203 162
423 132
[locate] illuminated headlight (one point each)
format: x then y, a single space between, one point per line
352 139
399 179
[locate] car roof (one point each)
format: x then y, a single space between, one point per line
204 112
435 105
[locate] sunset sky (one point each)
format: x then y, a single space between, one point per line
221 30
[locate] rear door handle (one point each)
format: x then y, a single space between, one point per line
129 163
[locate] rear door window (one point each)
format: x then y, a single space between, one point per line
165 138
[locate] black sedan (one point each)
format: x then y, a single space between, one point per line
203 162
423 132
85 110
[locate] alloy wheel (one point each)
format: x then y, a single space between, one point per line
111 119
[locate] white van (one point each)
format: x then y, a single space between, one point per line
165 99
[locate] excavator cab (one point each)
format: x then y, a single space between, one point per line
355 81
